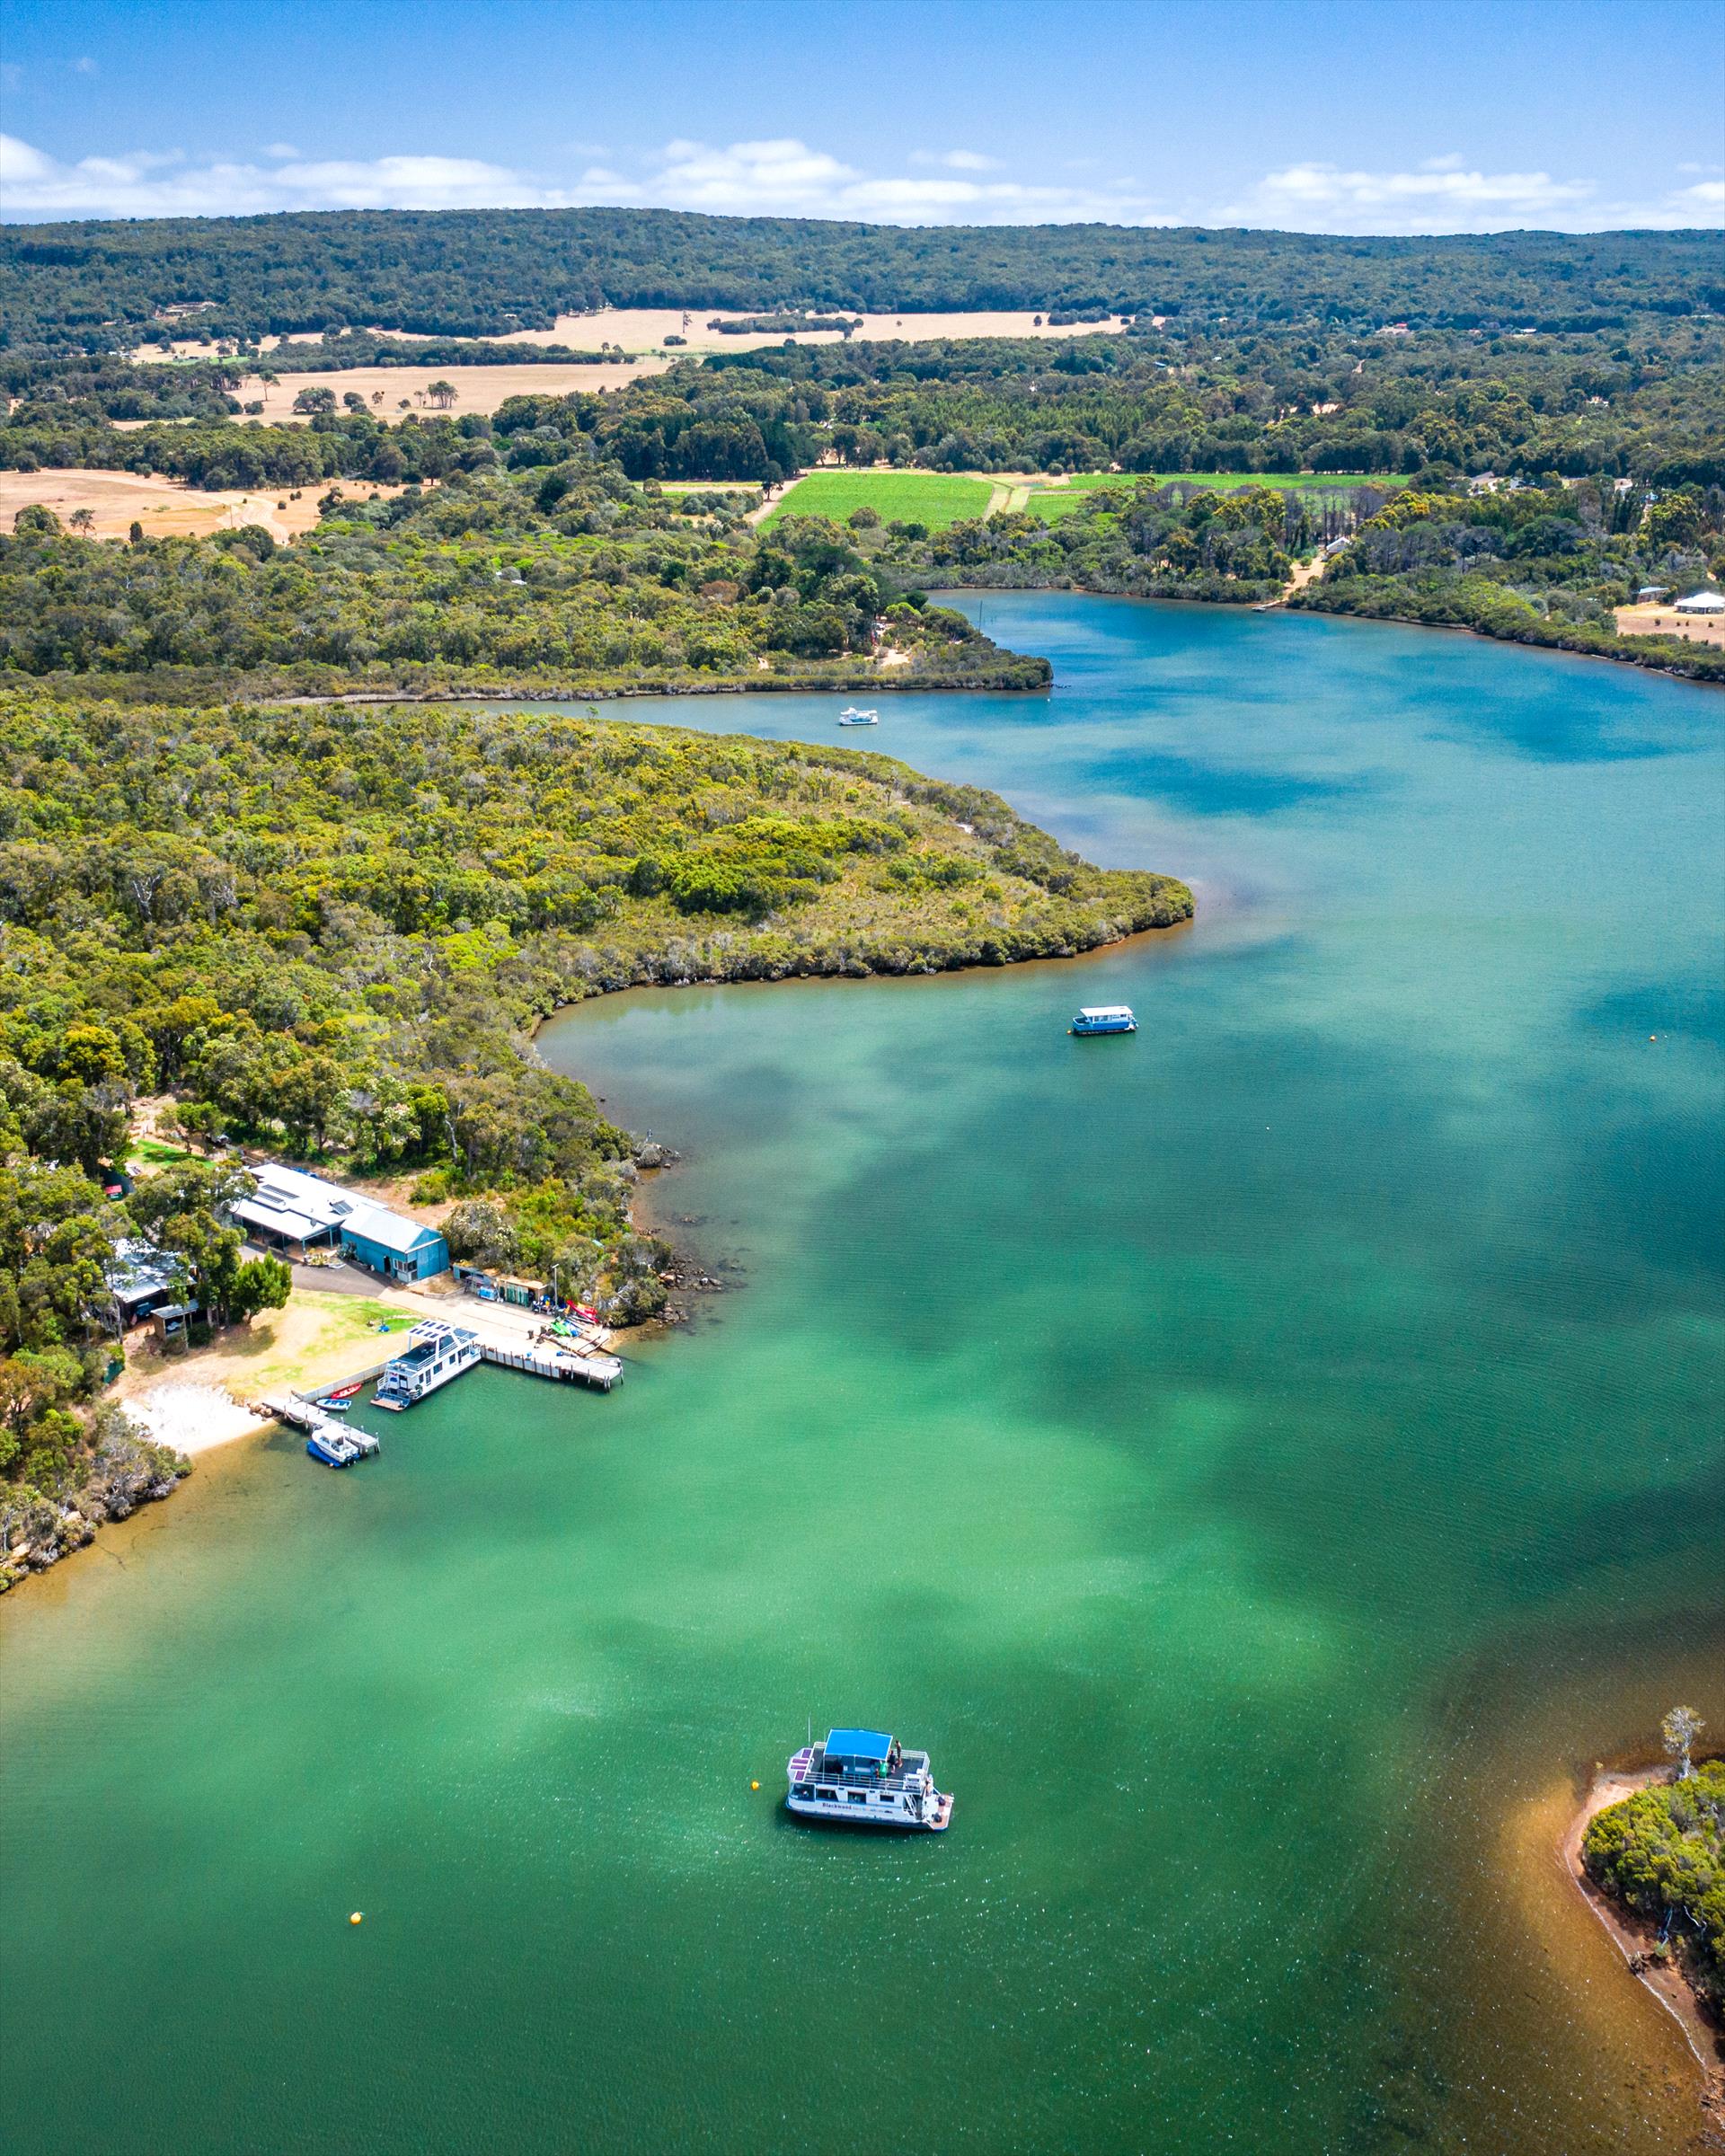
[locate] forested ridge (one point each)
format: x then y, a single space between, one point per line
330 930
493 272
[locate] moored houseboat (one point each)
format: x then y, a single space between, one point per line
435 1354
1105 1018
865 1778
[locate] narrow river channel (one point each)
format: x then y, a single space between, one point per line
1266 1460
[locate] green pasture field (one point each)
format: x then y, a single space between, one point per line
935 498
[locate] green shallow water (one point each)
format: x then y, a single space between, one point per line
1265 1459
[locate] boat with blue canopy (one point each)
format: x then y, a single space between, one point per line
1105 1018
865 1778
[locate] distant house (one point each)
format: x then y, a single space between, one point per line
296 1212
1701 601
1648 592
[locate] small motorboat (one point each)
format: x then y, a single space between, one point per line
331 1448
853 715
333 1406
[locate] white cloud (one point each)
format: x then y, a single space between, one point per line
1447 194
957 161
779 174
155 184
86 65
1443 195
19 163
785 175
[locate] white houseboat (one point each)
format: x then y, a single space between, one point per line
436 1353
854 715
864 1778
1105 1018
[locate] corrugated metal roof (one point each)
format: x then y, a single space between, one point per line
288 1201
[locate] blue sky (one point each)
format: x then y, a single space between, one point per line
1373 115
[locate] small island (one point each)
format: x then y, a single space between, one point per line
1651 1859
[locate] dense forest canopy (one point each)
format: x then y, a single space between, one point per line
490 273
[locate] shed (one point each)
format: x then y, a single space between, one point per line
392 1245
299 1213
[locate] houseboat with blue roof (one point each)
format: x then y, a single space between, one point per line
865 1778
1105 1018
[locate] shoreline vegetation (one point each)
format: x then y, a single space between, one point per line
322 935
1644 1848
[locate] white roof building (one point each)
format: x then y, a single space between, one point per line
291 1207
1701 601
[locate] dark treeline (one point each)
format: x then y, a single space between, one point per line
1647 404
491 273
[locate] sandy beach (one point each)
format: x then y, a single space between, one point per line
205 1399
1631 1934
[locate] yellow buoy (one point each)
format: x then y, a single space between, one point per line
357 1918
754 1785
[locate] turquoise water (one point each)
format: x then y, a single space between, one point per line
1265 1459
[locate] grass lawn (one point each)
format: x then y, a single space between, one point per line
156 1153
935 498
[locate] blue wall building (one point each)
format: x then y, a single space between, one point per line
398 1249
